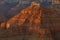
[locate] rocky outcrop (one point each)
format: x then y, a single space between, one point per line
36 19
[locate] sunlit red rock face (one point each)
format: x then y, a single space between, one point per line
31 13
29 19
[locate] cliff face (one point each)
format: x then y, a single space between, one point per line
31 19
35 14
31 13
27 19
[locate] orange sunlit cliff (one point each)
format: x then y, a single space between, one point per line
31 18
27 14
32 14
